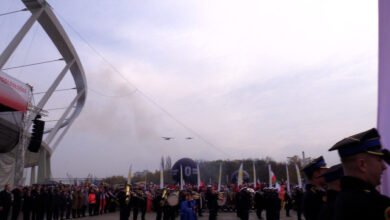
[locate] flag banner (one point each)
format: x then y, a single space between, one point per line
288 180
181 178
198 176
384 84
298 176
162 173
129 176
254 175
220 177
272 177
240 178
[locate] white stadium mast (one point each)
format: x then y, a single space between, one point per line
14 157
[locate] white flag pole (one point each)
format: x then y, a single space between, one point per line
288 180
240 178
298 176
254 175
197 166
162 173
270 175
181 177
129 176
220 177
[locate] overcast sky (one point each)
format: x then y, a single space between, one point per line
245 79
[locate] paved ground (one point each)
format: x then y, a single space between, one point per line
221 216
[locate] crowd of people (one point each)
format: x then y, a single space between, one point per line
62 201
55 201
342 192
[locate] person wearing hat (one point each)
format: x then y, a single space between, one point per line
314 196
123 206
362 160
212 202
5 202
332 178
244 203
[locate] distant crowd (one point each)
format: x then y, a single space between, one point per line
345 191
62 201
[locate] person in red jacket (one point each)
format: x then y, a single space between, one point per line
91 202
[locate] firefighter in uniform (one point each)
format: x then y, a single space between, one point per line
332 179
362 159
314 196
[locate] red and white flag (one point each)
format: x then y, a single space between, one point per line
272 177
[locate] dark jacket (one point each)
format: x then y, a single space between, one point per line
359 200
327 210
313 200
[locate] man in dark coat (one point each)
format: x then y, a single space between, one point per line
272 204
34 202
259 203
332 179
314 196
158 203
244 203
287 203
139 203
5 202
212 202
17 203
56 204
297 201
27 203
123 211
362 159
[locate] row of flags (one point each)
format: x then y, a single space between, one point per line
240 177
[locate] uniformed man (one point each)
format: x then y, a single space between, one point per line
16 203
332 179
272 203
259 203
5 202
159 202
362 160
123 206
297 201
139 203
212 202
314 195
244 203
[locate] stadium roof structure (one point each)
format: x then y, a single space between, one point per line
12 171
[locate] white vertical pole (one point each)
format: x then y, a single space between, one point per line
181 177
240 178
254 175
198 177
288 180
298 176
220 177
162 173
270 175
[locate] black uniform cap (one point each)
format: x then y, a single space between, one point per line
314 165
333 173
365 142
